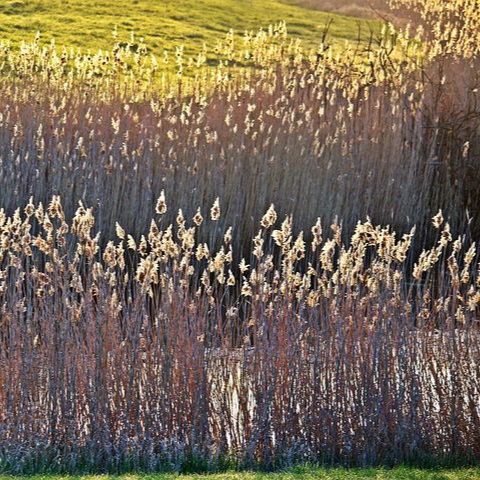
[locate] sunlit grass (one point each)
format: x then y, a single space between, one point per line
402 473
166 23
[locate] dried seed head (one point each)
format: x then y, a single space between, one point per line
215 210
317 235
131 243
30 208
437 220
243 266
270 217
119 231
228 236
231 279
180 219
161 207
198 219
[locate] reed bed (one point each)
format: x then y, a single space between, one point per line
319 133
156 354
220 335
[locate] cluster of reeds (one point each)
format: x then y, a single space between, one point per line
317 133
452 27
221 335
165 352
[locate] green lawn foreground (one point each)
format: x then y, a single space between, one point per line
401 473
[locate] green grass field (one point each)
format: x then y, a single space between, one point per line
294 474
164 23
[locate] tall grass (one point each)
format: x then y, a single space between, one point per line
315 133
179 342
157 355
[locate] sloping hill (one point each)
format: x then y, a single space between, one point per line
357 8
164 23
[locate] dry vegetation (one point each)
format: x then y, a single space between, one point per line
355 8
155 354
222 334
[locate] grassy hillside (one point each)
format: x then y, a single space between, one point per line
368 9
163 23
357 8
